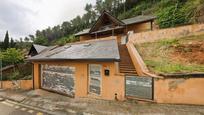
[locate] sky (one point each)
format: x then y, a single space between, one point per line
24 17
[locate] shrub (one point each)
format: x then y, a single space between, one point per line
171 16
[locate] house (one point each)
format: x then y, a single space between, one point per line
36 49
97 65
107 25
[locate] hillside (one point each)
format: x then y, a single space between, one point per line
174 55
169 13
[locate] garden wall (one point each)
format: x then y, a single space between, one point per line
169 33
179 90
19 84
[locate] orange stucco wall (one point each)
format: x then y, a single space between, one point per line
85 37
179 91
110 84
146 26
169 33
22 84
136 59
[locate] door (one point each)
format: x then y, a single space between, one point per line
95 79
58 78
123 39
139 87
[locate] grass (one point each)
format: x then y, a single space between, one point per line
157 56
169 67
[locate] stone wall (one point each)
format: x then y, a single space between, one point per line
169 33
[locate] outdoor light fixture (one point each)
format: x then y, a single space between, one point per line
107 72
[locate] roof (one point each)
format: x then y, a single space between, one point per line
100 50
133 20
138 19
39 48
106 15
85 31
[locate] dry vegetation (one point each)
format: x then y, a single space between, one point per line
174 55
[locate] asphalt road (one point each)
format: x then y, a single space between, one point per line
7 108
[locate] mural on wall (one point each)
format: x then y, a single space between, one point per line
58 78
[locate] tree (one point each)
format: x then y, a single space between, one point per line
171 15
13 56
26 39
66 28
32 38
6 41
12 43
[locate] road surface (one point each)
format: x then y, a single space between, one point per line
7 108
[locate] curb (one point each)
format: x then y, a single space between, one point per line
11 99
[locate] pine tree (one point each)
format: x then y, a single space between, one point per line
12 44
6 41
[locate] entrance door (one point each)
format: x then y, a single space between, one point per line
95 79
139 87
123 39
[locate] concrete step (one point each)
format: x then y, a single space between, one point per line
126 66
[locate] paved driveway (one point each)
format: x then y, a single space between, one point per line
8 108
63 105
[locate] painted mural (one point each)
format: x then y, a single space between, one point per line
58 78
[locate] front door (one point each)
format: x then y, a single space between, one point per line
95 79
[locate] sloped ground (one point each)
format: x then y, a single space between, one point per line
184 55
63 105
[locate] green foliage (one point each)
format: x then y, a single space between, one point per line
137 10
160 56
12 55
14 75
6 41
168 42
64 40
171 16
164 66
41 41
12 43
22 71
191 9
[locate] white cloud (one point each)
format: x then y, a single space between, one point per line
24 17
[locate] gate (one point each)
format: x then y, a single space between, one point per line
58 78
139 87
